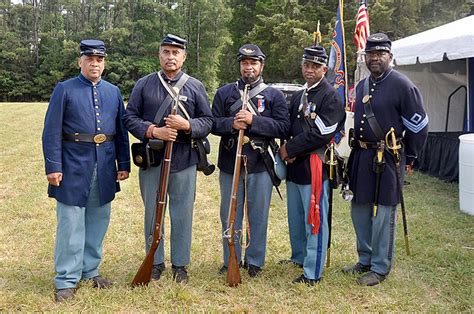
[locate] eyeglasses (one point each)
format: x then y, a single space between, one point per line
376 54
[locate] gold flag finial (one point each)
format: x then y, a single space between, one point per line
317 36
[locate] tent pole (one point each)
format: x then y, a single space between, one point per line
468 103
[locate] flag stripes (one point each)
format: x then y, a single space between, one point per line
362 30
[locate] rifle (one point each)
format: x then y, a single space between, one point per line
394 147
143 275
233 273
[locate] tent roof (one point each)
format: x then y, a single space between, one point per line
455 39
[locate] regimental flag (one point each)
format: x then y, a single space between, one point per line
337 59
362 30
337 75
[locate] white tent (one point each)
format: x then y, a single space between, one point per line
440 61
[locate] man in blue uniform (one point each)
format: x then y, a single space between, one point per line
84 144
316 114
267 119
148 117
384 100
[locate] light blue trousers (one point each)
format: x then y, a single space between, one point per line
259 187
307 249
79 235
181 195
375 235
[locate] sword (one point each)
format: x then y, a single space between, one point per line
333 184
395 148
379 167
328 251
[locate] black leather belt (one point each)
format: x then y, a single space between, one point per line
372 145
367 145
89 138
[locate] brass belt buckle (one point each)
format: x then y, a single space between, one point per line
100 138
363 144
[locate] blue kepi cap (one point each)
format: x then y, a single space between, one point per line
173 40
92 47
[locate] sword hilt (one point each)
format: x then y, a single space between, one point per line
391 140
332 161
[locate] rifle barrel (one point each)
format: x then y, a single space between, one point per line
233 273
143 275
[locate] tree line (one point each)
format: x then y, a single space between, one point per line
39 39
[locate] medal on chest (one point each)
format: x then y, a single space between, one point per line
312 109
307 110
261 105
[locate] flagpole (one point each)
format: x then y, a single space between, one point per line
317 36
361 68
341 6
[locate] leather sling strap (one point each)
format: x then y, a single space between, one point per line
369 113
169 99
252 93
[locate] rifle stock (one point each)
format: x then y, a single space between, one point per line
233 274
143 275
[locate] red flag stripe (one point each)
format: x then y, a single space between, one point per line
362 28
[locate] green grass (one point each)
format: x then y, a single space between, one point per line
437 277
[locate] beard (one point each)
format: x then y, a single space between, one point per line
249 79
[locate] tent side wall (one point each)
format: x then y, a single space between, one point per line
436 82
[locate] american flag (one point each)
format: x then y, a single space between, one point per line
362 30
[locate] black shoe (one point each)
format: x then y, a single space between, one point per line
303 279
356 269
101 282
64 294
180 275
223 269
289 261
253 270
370 279
157 271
